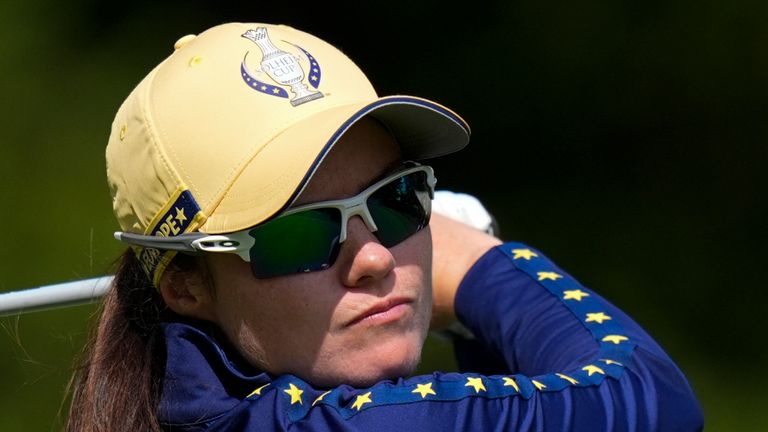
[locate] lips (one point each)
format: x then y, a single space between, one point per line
387 310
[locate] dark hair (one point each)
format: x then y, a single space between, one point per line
117 384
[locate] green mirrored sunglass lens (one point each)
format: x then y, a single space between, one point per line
400 208
296 243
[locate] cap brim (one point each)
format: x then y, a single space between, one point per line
275 175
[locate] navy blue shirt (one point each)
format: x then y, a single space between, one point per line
550 355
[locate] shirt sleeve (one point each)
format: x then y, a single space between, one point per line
568 360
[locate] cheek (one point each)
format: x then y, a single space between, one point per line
414 263
276 324
417 261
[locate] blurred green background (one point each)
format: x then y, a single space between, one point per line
627 140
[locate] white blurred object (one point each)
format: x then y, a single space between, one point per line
54 296
466 209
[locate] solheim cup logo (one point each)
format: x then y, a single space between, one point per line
283 68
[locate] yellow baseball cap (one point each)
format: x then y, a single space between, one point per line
227 131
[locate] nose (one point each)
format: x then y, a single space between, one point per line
365 261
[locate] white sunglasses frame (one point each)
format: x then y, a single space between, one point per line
240 242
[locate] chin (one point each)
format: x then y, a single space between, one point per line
389 360
388 366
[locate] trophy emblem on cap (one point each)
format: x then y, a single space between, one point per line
283 68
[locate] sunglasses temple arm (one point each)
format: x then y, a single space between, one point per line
182 243
85 291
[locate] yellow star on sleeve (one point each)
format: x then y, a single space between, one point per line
548 275
295 393
592 369
617 339
476 383
319 398
574 295
257 392
180 216
510 382
362 400
598 317
567 378
525 254
538 385
424 389
610 362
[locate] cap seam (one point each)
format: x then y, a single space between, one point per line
146 120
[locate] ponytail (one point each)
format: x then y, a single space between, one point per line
118 383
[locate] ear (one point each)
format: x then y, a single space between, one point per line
187 293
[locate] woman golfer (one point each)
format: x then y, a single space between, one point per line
285 268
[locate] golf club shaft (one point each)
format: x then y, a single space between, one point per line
54 296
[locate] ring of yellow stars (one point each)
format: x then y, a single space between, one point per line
424 390
319 398
257 392
525 254
548 275
598 317
592 369
295 393
610 362
574 295
180 216
476 383
362 400
617 339
510 382
538 385
567 378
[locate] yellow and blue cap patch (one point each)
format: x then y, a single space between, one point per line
182 214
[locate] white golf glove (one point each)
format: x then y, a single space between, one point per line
466 209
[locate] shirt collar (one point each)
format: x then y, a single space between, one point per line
203 377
